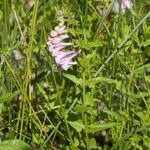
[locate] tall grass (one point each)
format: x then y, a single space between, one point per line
101 103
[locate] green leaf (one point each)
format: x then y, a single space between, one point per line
78 125
78 31
87 45
142 69
136 39
92 143
89 99
96 80
98 127
147 78
146 43
8 96
72 78
117 116
14 145
42 91
144 116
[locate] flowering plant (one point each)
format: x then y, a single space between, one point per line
63 59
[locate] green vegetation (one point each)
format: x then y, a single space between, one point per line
103 102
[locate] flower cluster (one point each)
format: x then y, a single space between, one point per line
125 4
63 59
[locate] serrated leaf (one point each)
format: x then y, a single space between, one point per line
14 145
78 125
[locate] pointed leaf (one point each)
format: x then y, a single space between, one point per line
42 91
98 127
72 78
78 125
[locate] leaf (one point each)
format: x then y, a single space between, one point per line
98 127
14 145
127 136
112 113
146 43
144 116
89 99
93 81
142 69
92 143
136 39
87 45
78 125
77 32
147 78
8 96
37 139
42 91
72 78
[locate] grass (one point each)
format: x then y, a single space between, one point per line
102 102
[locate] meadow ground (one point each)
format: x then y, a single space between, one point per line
74 74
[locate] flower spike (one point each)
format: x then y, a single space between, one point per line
63 59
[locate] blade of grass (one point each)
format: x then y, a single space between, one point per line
119 47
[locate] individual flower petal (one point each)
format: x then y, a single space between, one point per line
53 33
62 44
60 29
67 66
66 63
58 39
66 59
62 55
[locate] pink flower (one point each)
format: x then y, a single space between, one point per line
125 4
56 45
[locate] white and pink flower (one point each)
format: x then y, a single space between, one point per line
63 59
125 4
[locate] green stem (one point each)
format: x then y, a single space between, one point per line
64 114
29 54
85 107
22 121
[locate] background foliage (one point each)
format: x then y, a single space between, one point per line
105 97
